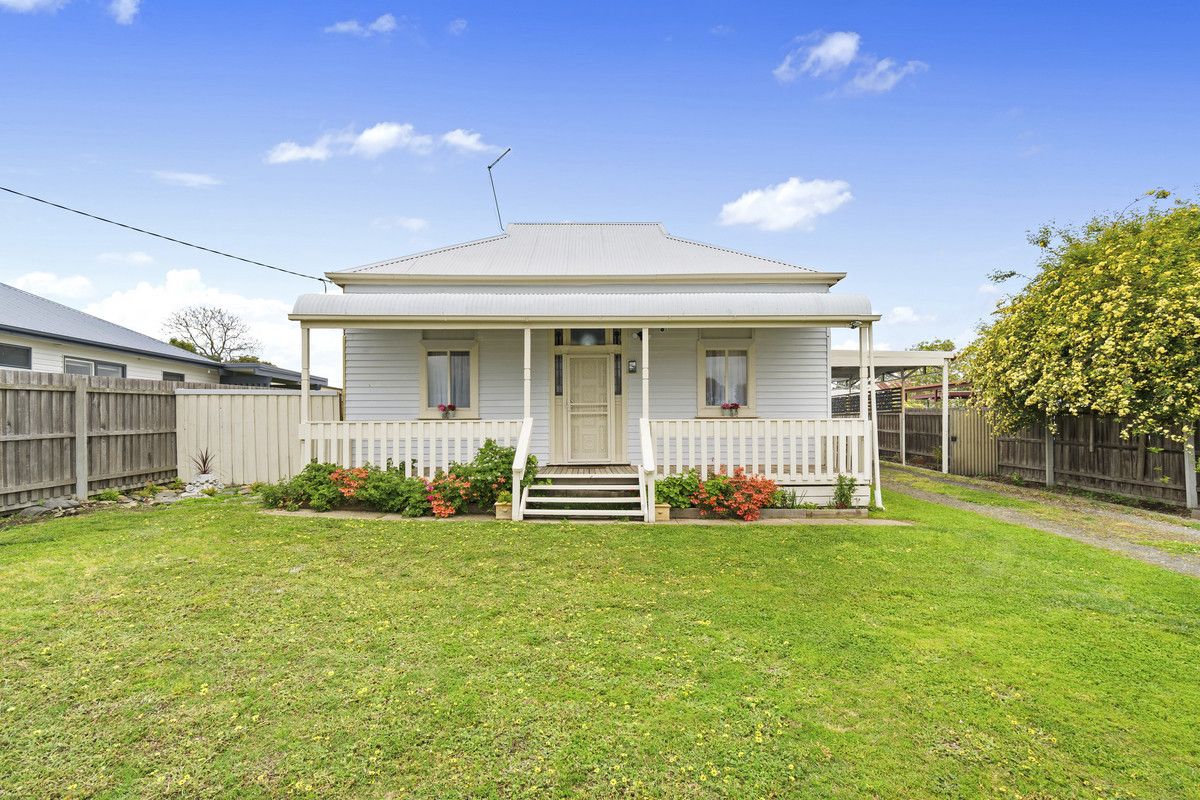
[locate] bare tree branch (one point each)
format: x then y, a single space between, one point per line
214 332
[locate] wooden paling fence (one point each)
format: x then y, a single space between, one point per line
74 435
1087 452
252 434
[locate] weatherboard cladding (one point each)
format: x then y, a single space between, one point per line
27 313
573 249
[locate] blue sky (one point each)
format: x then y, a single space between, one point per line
911 145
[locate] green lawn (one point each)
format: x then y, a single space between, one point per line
207 649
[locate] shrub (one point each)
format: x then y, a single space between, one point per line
678 490
107 495
388 490
448 494
176 485
737 495
843 492
490 472
348 480
310 488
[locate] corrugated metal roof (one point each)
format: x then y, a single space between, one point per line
22 312
556 249
592 305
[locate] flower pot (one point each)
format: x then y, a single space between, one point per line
504 511
662 512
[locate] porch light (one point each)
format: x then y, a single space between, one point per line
632 366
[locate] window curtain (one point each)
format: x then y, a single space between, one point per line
714 377
460 378
437 379
738 375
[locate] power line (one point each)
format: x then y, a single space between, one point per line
323 281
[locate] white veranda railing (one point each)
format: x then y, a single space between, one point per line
419 447
792 452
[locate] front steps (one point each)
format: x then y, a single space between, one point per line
579 493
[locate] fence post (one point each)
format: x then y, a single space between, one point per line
81 440
1189 473
1049 438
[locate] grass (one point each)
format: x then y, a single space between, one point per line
205 649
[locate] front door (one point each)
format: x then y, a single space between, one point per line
588 395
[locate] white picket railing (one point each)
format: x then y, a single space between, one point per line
789 451
520 457
420 447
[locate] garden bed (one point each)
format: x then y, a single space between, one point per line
784 513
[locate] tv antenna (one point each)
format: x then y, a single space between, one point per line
496 199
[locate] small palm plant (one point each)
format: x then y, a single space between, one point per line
205 462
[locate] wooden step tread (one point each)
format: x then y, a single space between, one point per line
585 487
584 500
582 512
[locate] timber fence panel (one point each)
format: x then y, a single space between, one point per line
923 436
253 434
64 435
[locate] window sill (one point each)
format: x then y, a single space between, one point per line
716 414
437 415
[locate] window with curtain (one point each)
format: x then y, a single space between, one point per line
726 376
448 378
12 355
84 366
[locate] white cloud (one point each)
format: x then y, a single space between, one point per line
123 11
829 55
135 257
795 203
379 139
883 75
819 54
146 306
285 152
467 141
191 180
27 6
457 27
905 315
412 224
383 24
48 284
376 141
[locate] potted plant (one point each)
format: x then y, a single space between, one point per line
662 512
447 410
504 505
730 409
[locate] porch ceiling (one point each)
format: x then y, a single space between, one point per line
552 309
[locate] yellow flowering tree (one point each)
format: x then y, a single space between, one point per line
1110 324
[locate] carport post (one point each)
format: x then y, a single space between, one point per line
903 432
875 470
862 371
1189 472
945 415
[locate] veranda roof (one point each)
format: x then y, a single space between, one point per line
578 251
552 308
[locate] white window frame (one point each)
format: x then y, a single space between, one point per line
91 362
703 345
28 356
447 345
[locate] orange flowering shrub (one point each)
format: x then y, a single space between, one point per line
448 494
737 495
349 480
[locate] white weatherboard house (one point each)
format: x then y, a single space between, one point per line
606 350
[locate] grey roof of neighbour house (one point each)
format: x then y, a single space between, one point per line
597 304
29 314
579 250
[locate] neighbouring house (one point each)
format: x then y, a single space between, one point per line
44 336
614 352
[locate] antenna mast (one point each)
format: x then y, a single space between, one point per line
495 198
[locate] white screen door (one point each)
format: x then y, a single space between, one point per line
589 392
